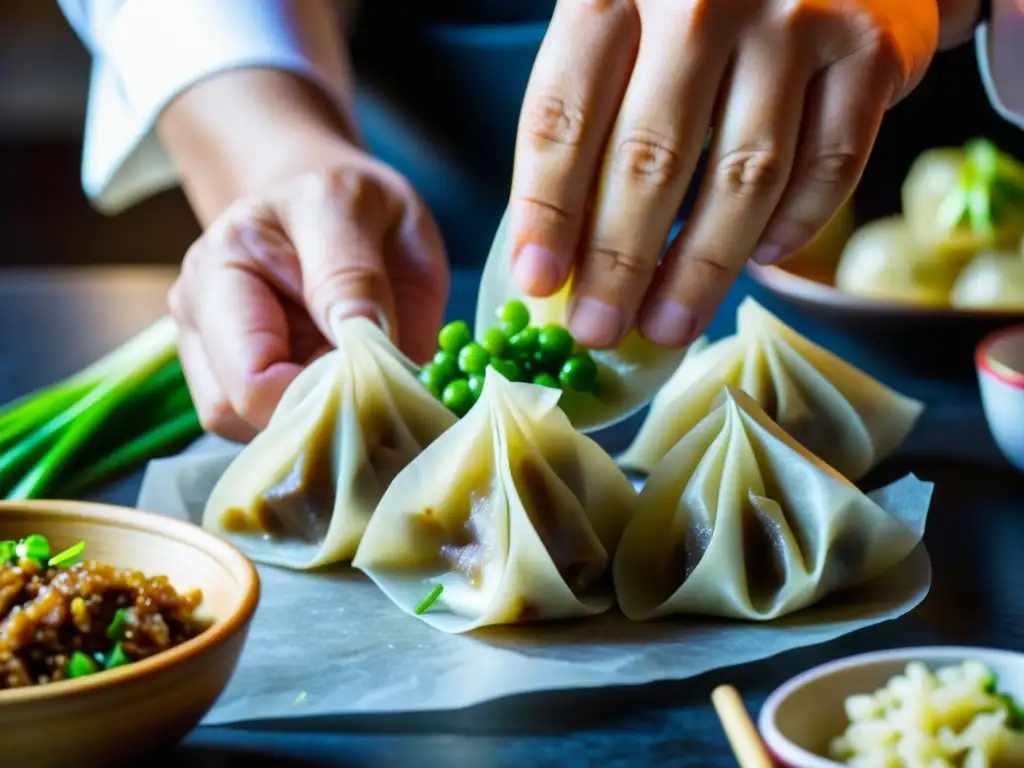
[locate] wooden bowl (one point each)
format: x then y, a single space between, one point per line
118 715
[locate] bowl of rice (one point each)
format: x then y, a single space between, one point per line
931 707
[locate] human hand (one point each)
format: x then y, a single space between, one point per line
619 105
261 291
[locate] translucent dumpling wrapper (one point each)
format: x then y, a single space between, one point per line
882 261
741 521
300 494
991 281
512 513
628 376
846 417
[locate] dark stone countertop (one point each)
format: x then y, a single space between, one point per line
54 322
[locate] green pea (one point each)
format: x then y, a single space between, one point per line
506 368
514 317
579 373
528 368
117 658
546 380
476 386
34 547
494 341
454 337
447 365
555 344
434 378
8 551
80 665
473 359
524 344
457 397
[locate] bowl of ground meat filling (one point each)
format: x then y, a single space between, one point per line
118 630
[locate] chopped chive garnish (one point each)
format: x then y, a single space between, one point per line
118 624
68 554
81 665
300 698
8 551
117 658
429 600
34 547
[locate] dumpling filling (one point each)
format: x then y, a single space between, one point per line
475 554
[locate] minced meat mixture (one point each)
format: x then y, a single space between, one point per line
50 617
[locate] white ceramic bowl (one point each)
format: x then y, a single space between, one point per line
1000 363
800 718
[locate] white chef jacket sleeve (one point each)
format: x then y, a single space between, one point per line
146 52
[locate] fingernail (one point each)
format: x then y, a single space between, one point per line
346 309
669 324
594 323
536 270
767 254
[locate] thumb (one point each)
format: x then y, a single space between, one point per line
341 258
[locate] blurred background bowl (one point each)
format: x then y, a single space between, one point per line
117 715
934 339
1000 363
802 716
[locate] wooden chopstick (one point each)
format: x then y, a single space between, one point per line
739 729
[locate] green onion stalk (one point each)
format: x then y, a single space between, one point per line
990 191
99 424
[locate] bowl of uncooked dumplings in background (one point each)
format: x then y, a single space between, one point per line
933 706
949 266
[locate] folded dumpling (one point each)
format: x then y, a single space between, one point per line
300 494
510 516
849 419
739 520
628 376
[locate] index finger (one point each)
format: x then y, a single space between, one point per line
244 328
575 87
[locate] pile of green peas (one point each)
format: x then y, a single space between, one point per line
548 356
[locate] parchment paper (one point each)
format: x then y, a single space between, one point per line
351 651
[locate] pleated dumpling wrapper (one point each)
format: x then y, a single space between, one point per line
741 521
300 494
512 515
837 411
628 376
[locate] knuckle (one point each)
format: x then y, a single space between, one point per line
704 277
836 166
552 120
750 171
537 212
648 159
618 266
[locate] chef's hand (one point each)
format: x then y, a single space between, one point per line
621 100
330 234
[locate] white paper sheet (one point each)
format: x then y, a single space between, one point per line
330 643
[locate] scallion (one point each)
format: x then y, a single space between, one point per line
81 665
429 600
100 423
117 658
68 554
118 625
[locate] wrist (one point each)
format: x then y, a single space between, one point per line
243 129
